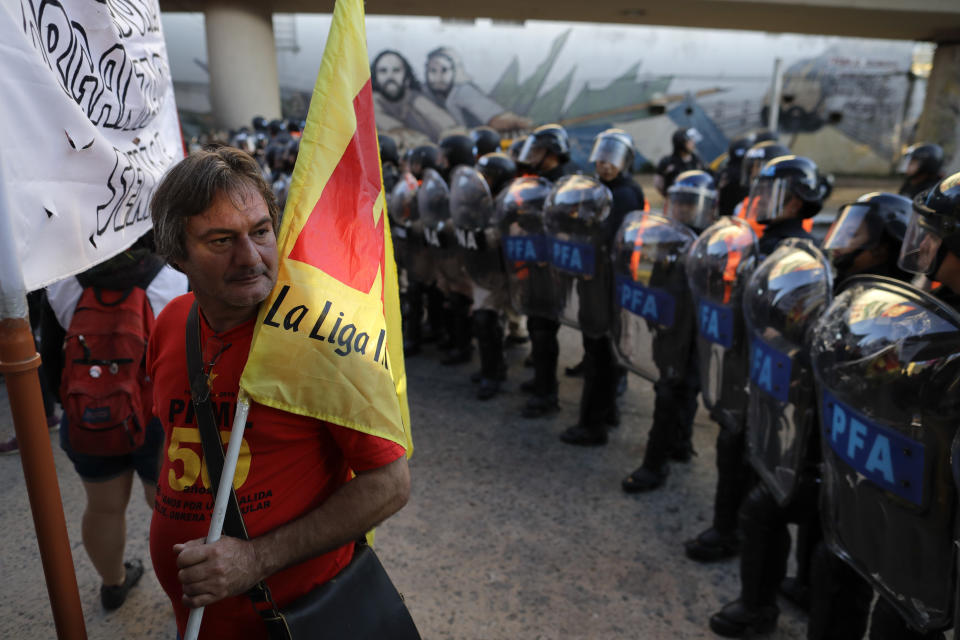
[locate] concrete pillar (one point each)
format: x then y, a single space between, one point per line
242 60
940 120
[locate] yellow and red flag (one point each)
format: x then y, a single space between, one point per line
327 342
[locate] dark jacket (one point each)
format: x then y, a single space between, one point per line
673 165
627 197
781 230
911 190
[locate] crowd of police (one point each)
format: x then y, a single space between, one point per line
831 368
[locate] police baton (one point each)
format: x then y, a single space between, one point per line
223 495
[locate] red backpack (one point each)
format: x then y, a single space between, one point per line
105 391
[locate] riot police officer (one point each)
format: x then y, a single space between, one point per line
683 158
864 239
921 165
545 152
491 297
932 242
485 140
754 159
612 156
455 150
418 160
729 187
389 162
787 191
691 201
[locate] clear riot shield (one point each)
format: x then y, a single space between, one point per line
718 266
402 210
478 238
433 203
653 320
784 297
408 230
886 358
574 216
519 216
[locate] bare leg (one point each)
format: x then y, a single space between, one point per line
105 526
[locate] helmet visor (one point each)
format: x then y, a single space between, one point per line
695 208
612 151
852 230
918 254
750 167
532 152
766 199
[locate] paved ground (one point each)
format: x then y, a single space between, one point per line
508 534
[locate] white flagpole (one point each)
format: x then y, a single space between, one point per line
223 495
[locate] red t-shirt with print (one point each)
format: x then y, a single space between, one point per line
288 465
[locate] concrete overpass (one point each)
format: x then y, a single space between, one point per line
241 51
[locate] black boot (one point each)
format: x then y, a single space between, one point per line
712 545
584 437
644 479
540 406
736 620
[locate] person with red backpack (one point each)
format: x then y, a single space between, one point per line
95 352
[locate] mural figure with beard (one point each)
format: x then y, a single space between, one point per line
401 108
450 87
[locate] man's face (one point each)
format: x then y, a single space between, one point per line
231 255
913 167
440 75
606 171
391 76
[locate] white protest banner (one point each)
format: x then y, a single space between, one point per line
90 125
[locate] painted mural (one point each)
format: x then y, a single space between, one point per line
845 102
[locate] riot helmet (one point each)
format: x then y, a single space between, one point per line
873 221
787 187
738 149
682 138
577 205
485 140
471 203
290 155
275 127
244 141
934 228
522 203
763 135
294 127
613 147
925 159
756 157
549 139
456 150
498 169
388 150
692 200
424 157
259 123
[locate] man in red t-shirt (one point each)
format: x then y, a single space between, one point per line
307 488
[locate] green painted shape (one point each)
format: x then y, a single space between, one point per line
505 92
621 92
549 106
528 91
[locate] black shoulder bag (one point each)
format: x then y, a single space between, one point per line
359 603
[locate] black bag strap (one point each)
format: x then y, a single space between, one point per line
233 524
